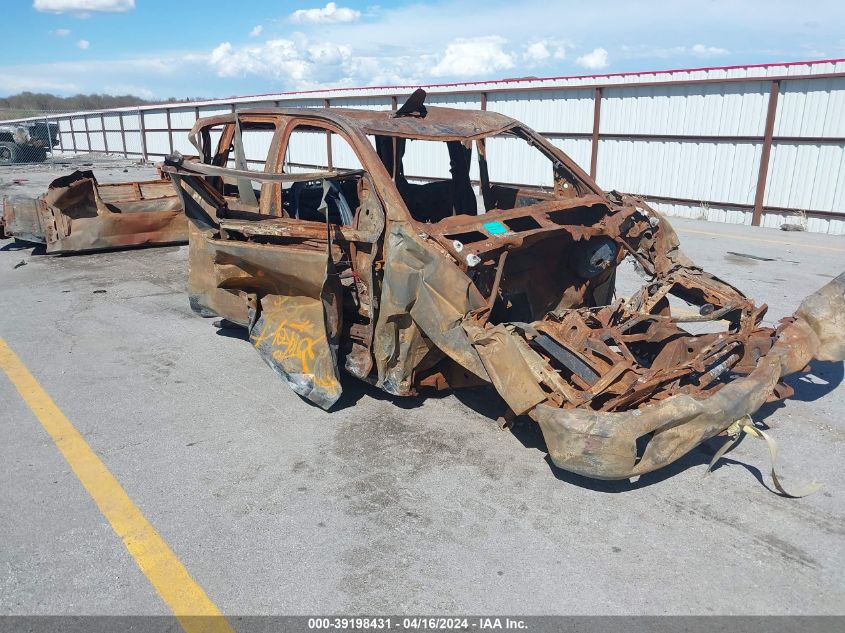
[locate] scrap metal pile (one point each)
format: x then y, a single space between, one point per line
78 214
411 282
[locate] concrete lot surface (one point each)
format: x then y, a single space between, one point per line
384 505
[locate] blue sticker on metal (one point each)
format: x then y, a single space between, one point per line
495 228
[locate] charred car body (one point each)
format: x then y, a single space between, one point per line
28 142
347 259
77 214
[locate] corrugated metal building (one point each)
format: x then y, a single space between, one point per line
760 144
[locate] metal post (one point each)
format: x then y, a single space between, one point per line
594 152
143 134
763 172
327 104
72 134
394 105
105 138
49 134
123 135
169 130
87 133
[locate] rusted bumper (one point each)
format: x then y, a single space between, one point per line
603 445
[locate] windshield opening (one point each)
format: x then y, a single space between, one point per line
440 179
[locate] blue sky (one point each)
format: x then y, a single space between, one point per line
216 48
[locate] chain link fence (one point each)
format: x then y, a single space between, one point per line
139 133
34 136
33 139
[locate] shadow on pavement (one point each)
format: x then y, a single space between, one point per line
37 249
822 378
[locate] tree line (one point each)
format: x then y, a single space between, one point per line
29 104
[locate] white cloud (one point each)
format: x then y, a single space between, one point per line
538 51
544 50
60 32
594 60
83 6
170 74
256 30
83 44
328 14
283 59
641 51
401 43
128 89
700 50
11 83
473 56
302 63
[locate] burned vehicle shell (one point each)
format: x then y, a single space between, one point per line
345 257
77 214
27 142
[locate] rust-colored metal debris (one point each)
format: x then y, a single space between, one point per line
410 282
77 214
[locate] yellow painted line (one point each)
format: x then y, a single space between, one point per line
158 562
759 239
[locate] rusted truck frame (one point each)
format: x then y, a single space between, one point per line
77 214
410 284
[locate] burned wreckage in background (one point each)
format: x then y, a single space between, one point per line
342 258
78 214
27 142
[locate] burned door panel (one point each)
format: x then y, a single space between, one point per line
287 294
294 313
273 268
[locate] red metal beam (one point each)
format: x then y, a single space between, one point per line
407 90
700 138
763 171
521 87
594 151
813 213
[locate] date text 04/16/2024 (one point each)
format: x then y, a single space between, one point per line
415 623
